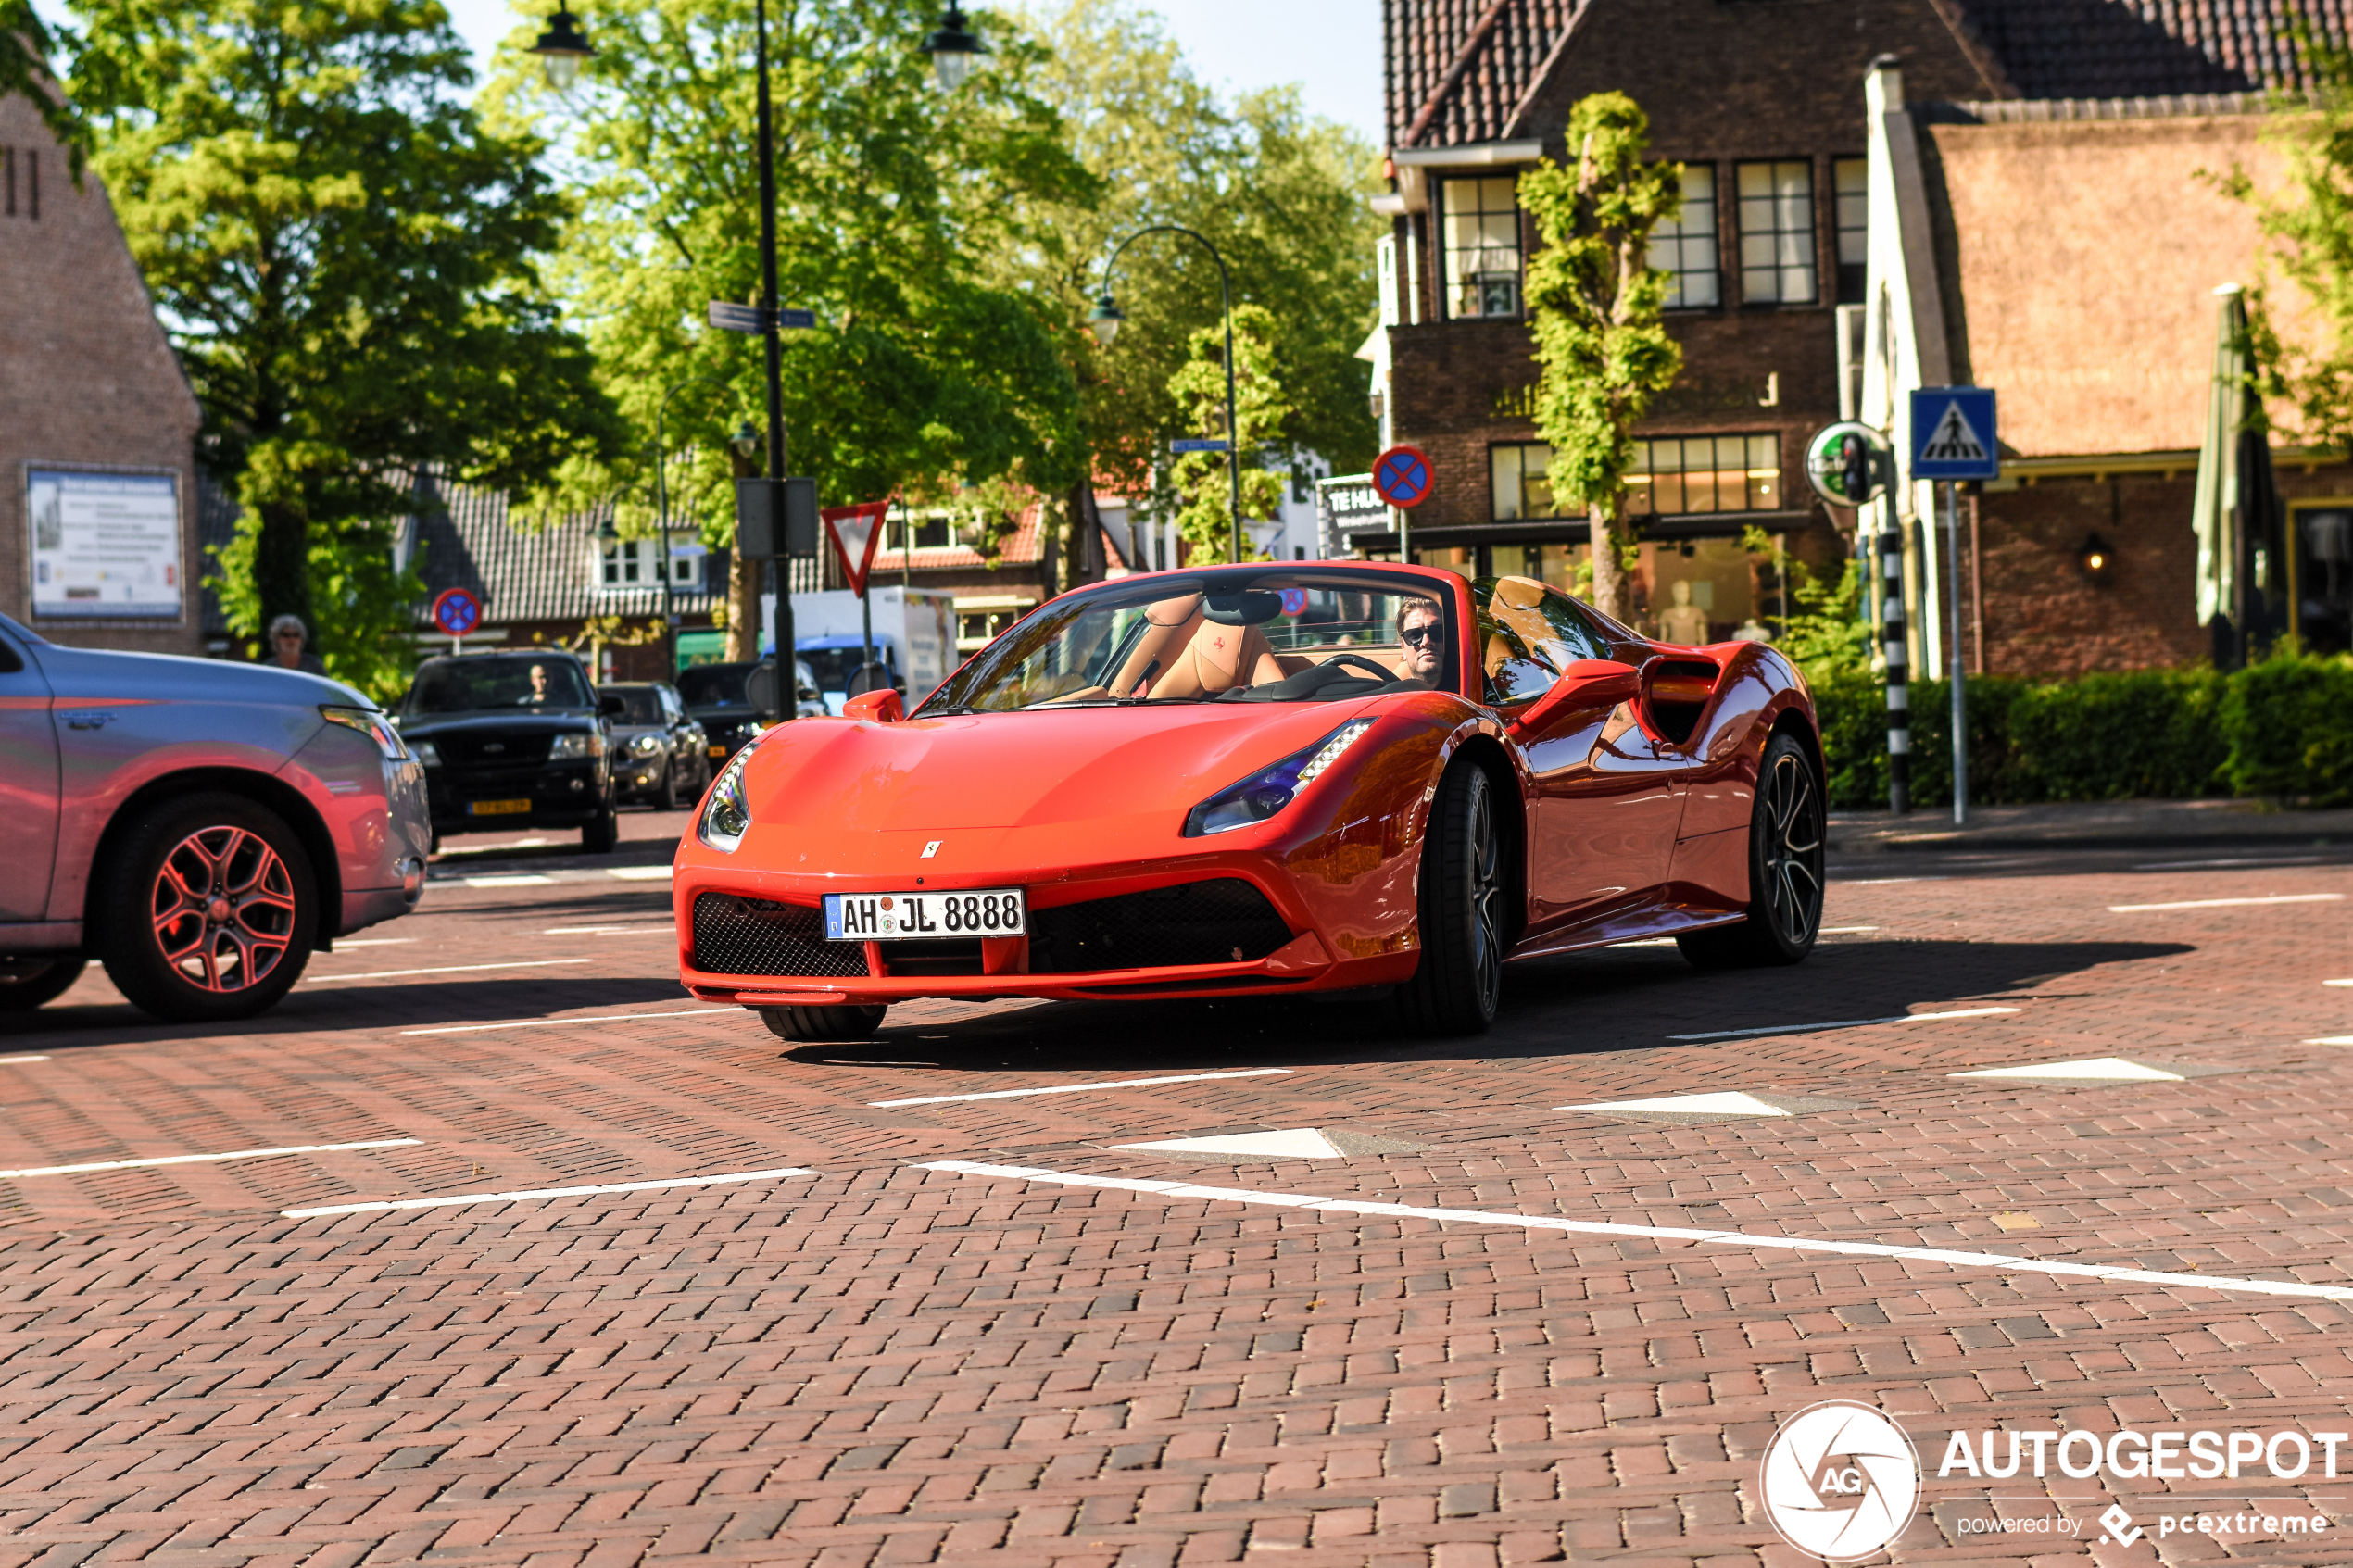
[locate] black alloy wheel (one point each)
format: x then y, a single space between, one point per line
205 909
1787 837
36 979
1459 985
839 1025
601 834
666 799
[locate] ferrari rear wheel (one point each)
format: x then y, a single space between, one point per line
1459 984
822 1025
1787 835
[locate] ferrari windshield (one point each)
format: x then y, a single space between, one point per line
1269 633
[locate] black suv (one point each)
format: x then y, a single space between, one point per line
719 698
513 740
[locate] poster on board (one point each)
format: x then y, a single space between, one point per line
104 544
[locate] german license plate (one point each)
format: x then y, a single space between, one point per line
907 917
498 807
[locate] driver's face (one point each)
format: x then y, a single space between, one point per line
1422 632
538 681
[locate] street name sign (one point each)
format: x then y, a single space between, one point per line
1952 434
1198 444
751 320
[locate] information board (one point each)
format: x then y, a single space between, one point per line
104 544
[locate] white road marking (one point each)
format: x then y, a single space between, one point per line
1294 1143
471 1197
554 1022
1884 880
2337 982
1843 1023
445 969
3 1058
2114 1066
2332 1040
1594 1227
665 929
640 874
2226 903
343 942
535 880
2207 865
1082 1088
1733 1103
205 1159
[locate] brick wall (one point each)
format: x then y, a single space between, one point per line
87 379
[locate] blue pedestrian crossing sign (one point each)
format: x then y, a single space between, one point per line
1952 434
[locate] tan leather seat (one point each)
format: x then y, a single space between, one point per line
1173 622
1219 659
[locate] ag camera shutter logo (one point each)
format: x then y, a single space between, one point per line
1841 1481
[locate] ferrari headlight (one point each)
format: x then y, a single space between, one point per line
727 814
1263 794
576 745
645 744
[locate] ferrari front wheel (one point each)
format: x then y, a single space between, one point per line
1459 983
840 1025
1787 835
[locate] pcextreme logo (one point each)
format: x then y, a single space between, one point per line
1841 1480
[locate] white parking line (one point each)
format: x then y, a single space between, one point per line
535 880
204 1159
1081 1088
471 1197
444 969
1593 1228
6 1059
553 1022
2226 903
1843 1023
665 929
2332 1040
640 874
2337 982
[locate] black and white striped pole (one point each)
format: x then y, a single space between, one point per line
1894 639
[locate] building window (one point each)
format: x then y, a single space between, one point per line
1482 246
1523 488
1685 247
1777 233
1676 475
634 563
1852 177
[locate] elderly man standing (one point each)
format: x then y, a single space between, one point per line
289 640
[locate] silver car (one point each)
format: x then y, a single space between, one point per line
200 828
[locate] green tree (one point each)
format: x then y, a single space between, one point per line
1203 489
925 374
1282 195
347 261
1602 351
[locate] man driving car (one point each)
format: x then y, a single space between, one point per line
1421 635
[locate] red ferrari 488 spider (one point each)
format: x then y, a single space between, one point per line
1271 778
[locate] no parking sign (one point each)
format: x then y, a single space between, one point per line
456 611
1403 477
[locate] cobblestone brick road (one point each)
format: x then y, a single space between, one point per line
882 1361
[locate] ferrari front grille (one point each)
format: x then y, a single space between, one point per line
1227 921
737 936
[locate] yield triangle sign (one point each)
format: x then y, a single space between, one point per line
855 532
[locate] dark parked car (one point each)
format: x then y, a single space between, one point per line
717 696
657 749
199 827
513 740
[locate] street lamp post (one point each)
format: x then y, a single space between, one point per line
953 49
1106 317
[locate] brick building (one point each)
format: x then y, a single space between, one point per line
1772 258
98 497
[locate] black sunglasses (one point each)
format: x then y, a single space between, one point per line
1426 633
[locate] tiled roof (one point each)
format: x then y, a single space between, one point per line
2148 48
1459 70
1462 70
521 574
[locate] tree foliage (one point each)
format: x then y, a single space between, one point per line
925 374
1602 353
1280 193
1203 488
347 262
2310 227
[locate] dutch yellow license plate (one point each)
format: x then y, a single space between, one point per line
498 807
719 751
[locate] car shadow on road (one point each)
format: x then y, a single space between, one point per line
1609 999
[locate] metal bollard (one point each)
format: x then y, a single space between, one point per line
1899 702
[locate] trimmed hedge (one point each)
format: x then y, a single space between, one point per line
2283 729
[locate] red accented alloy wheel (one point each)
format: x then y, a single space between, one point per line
205 909
223 909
